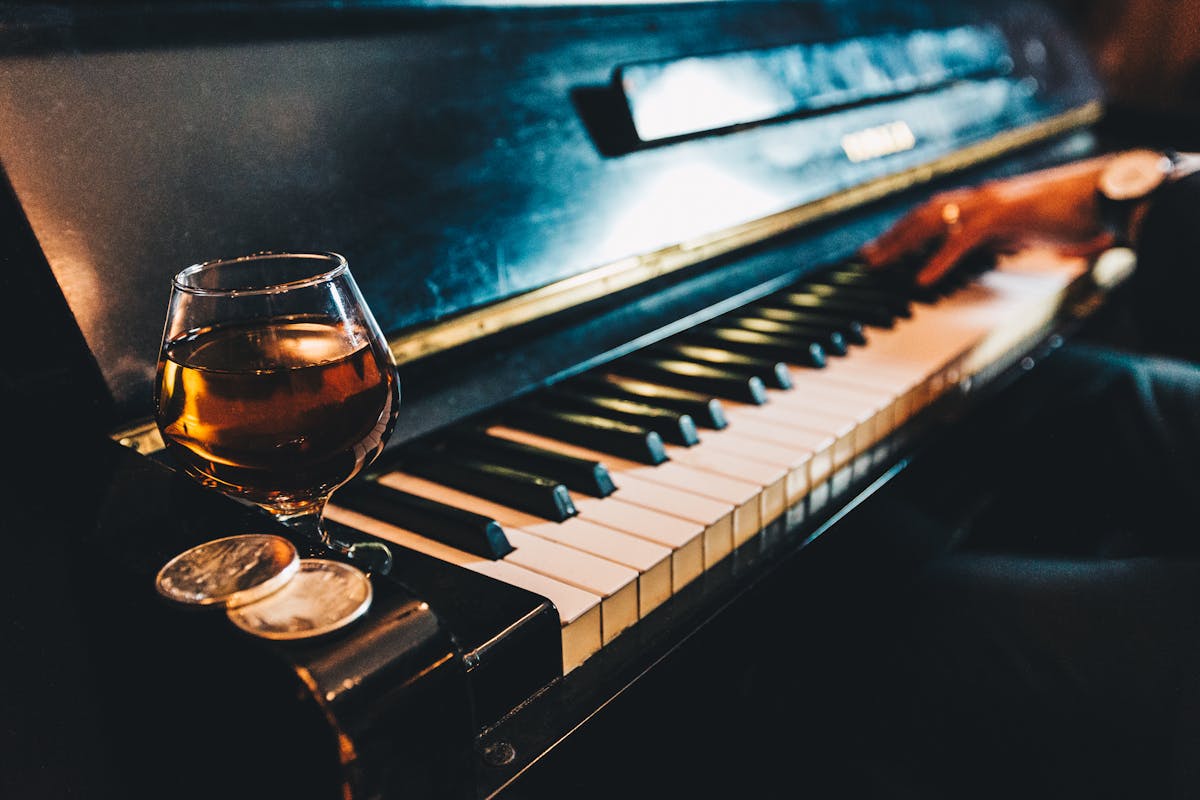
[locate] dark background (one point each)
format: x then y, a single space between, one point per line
1147 53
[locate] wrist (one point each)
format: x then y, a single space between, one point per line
1125 187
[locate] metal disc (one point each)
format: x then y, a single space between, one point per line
323 597
231 571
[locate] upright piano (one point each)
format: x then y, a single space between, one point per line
613 248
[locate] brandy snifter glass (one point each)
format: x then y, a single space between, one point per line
275 384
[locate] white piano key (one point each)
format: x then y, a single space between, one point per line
684 537
579 610
802 440
872 415
843 428
651 559
874 407
796 460
615 583
810 409
771 477
679 492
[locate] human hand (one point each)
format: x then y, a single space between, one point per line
1055 207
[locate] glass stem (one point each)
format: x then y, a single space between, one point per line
374 557
308 525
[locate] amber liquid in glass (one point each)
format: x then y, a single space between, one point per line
279 413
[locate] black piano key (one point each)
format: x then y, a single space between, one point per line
697 377
807 343
852 330
581 474
968 268
673 426
465 530
868 313
898 303
888 280
704 409
526 491
589 430
858 275
771 372
761 345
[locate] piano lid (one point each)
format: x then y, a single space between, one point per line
483 166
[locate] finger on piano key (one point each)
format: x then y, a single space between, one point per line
773 373
579 610
912 361
575 564
539 495
903 273
934 342
694 377
852 330
473 533
725 507
704 409
673 426
580 475
589 430
869 314
940 346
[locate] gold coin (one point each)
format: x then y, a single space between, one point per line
231 571
323 597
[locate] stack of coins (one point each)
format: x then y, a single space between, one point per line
265 588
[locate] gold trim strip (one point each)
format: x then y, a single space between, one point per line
629 272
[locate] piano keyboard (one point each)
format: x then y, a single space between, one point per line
618 488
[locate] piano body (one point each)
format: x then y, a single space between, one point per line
555 211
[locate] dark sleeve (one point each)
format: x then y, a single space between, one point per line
1164 293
